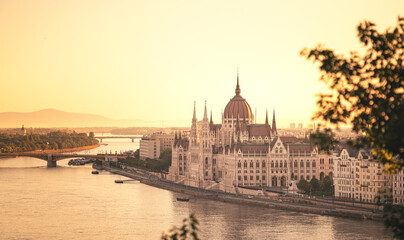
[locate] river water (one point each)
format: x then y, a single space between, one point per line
68 202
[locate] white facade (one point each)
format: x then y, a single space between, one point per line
151 146
239 153
358 176
398 187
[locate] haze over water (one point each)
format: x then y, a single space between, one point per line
68 202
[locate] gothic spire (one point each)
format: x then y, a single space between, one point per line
266 118
205 113
274 122
211 120
194 117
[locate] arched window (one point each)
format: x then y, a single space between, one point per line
295 165
285 164
308 163
245 163
276 164
280 164
314 163
206 161
280 150
301 163
257 164
185 157
180 157
263 163
276 150
239 164
251 164
272 164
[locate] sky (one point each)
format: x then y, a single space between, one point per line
151 60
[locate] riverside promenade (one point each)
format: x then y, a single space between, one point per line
283 203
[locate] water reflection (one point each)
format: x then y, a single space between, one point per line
68 202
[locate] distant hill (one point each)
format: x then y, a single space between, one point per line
55 118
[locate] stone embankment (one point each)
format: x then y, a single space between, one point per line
284 203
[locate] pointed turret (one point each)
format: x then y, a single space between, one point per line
205 114
194 117
266 118
194 128
274 123
211 120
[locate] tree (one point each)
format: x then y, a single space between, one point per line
188 230
327 185
91 135
366 91
304 186
315 185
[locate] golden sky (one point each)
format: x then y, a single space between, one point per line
150 60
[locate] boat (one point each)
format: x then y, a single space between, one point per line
94 172
183 199
118 181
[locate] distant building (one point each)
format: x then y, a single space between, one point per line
22 131
293 125
398 187
151 146
358 176
300 125
239 153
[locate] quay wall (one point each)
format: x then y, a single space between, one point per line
264 201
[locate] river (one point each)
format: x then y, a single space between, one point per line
68 202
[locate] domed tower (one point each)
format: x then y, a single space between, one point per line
237 107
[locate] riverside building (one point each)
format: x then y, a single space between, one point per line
152 145
398 187
359 176
240 153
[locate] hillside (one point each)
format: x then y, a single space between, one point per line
56 118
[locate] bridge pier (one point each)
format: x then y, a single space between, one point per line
50 162
133 140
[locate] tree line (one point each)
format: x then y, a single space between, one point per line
155 165
51 141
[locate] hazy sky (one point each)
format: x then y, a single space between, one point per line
151 59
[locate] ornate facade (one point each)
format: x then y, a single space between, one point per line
239 153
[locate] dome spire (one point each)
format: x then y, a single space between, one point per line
238 86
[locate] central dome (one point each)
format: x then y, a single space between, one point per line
238 107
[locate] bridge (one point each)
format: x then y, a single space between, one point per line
126 137
52 158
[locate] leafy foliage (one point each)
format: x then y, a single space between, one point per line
367 91
53 140
393 216
188 230
324 139
156 165
316 187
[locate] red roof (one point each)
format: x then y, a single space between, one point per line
238 107
260 130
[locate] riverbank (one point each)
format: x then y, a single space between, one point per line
281 203
65 149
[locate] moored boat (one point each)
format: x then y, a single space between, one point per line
183 199
94 172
